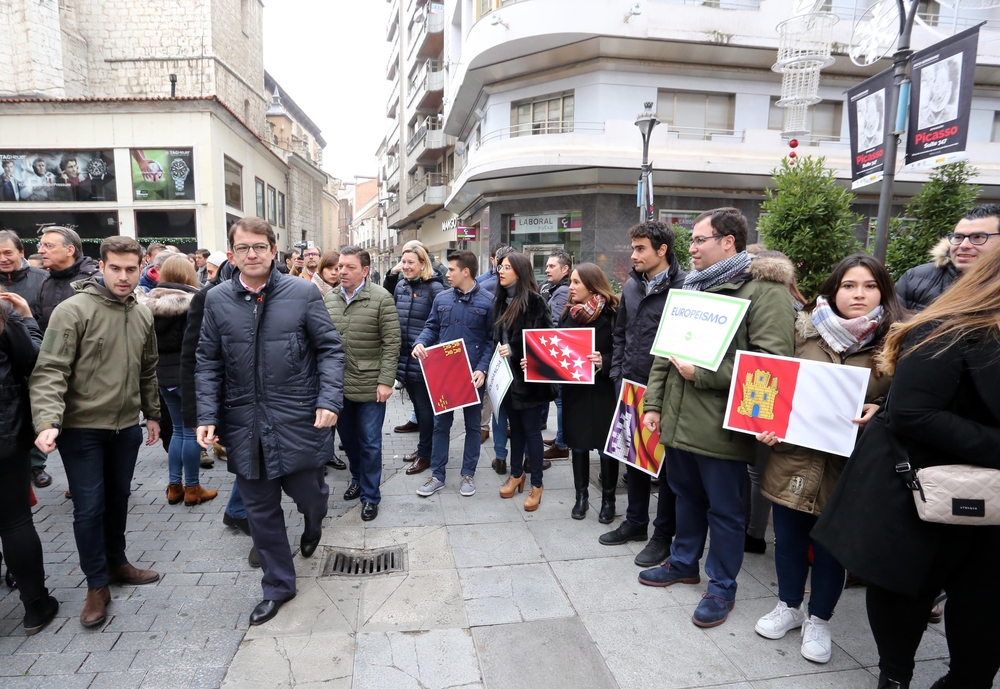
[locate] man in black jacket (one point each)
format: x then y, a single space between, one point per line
269 376
976 234
62 256
645 293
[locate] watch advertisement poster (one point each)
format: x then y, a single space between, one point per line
870 124
57 176
941 100
163 174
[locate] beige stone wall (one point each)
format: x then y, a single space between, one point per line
31 48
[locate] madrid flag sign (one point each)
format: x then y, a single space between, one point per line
806 403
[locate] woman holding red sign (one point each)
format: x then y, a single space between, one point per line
845 324
520 307
589 409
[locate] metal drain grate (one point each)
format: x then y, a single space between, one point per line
350 562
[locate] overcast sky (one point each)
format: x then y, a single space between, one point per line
331 55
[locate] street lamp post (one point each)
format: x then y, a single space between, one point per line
646 122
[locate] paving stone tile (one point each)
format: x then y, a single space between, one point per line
90 643
416 601
485 507
329 606
437 659
572 540
484 545
608 584
848 679
109 661
293 661
17 664
519 593
427 547
562 656
58 663
118 680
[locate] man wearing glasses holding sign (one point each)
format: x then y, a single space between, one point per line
975 235
269 380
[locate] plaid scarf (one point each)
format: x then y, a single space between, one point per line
717 274
844 335
586 313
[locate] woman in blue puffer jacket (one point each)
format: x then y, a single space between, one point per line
415 295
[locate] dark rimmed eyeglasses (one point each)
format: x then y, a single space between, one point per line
975 239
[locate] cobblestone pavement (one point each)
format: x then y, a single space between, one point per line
493 597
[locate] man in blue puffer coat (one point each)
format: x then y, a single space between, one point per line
464 312
269 376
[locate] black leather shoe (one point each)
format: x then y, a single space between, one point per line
267 609
307 546
410 457
418 466
40 478
655 553
254 558
369 511
623 534
353 492
500 466
886 683
241 524
337 463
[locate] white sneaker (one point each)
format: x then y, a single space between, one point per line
468 486
776 623
817 645
430 487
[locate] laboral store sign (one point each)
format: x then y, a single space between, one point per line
569 221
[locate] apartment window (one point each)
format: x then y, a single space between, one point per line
233 183
547 115
272 205
696 115
823 119
259 189
485 6
929 11
281 209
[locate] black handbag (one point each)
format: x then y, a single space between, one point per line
870 523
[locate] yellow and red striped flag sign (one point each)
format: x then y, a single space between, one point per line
448 376
629 441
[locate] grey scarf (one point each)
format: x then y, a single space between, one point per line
717 274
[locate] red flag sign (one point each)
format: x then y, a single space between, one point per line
448 376
559 356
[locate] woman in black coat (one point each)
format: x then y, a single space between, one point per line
20 339
414 296
169 303
588 409
944 407
520 307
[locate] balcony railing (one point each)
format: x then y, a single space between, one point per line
393 25
393 207
431 27
393 65
428 80
817 140
393 102
430 179
539 128
704 133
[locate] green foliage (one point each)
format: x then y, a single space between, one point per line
808 217
681 245
930 215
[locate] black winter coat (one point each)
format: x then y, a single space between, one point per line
413 304
19 343
523 395
944 406
25 282
919 286
588 409
59 287
169 304
189 345
639 316
265 364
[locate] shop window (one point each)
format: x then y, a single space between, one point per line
168 227
233 183
547 115
92 227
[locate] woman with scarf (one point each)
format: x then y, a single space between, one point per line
415 294
326 277
588 409
519 307
846 324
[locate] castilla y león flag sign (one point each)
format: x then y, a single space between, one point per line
806 403
559 356
448 376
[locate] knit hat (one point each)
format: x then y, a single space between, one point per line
217 258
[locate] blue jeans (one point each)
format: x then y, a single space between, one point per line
526 438
498 422
360 426
791 561
235 507
99 468
424 410
184 448
442 438
708 496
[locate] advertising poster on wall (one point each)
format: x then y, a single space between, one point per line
870 124
570 221
941 100
57 176
163 174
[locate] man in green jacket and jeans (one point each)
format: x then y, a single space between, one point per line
706 464
96 371
366 318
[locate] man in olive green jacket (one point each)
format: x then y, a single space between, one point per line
366 318
96 371
705 463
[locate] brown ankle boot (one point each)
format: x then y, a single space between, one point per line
534 498
195 495
220 451
513 484
175 493
95 610
129 574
